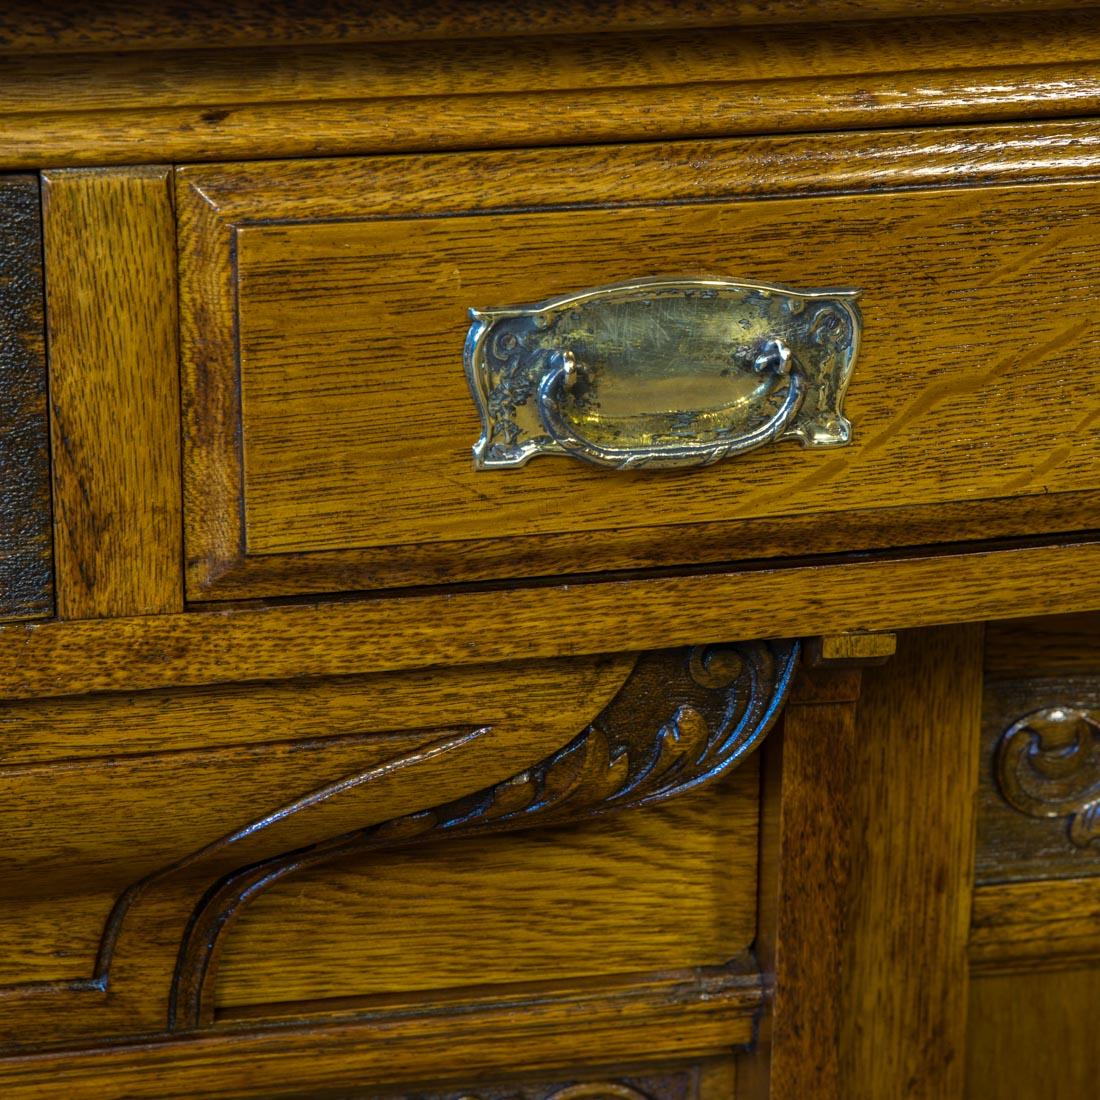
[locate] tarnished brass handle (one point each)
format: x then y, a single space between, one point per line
774 360
662 373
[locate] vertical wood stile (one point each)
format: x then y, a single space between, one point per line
114 391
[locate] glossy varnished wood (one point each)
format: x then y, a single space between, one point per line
904 1030
1039 924
563 85
671 887
696 1018
26 576
114 391
276 259
220 758
805 853
470 627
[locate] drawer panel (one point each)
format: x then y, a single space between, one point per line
669 888
329 421
26 547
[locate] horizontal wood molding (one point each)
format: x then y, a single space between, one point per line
77 25
679 1016
1044 924
472 627
308 96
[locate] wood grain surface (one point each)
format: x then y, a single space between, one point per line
544 620
804 855
1043 924
692 1018
904 1030
1033 1037
130 24
114 391
666 888
311 93
1051 647
323 442
26 551
218 758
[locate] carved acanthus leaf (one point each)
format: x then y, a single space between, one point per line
683 718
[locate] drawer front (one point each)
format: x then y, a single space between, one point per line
329 420
26 547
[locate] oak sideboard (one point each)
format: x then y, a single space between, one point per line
550 551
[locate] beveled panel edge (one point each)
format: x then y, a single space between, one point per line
926 71
403 632
215 201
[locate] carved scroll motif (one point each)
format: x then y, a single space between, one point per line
1048 765
682 719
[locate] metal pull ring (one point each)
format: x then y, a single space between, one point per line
774 360
662 373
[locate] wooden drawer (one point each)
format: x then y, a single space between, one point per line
329 421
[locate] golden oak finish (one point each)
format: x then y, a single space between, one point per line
913 822
669 888
469 627
222 760
804 853
535 1034
346 97
365 844
114 392
1041 924
324 441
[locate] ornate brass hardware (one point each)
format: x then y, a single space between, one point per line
662 372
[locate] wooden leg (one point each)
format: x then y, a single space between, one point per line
866 873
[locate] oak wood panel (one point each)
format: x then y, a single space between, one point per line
227 78
114 391
48 937
323 442
144 24
804 855
1053 646
1046 924
89 778
311 100
668 887
1033 1037
542 621
94 727
905 937
629 1022
26 568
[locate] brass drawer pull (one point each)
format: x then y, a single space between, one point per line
662 373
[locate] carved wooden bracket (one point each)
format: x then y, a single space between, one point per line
1048 765
683 718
